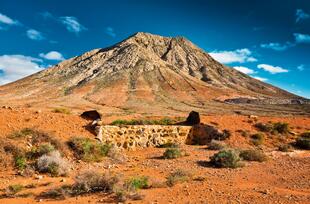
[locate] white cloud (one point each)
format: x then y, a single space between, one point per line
301 15
14 67
272 69
301 67
52 55
110 31
302 38
34 34
244 70
227 57
72 24
277 46
7 20
260 78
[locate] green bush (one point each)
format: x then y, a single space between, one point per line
135 183
253 155
89 150
257 138
226 159
178 176
20 162
173 153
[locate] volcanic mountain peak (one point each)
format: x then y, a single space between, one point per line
144 70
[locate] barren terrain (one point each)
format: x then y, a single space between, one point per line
283 178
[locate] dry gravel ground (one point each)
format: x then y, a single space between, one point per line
284 178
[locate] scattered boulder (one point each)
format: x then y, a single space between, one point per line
91 115
193 118
202 134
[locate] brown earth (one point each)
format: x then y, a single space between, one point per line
284 178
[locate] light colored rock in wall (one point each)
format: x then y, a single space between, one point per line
132 136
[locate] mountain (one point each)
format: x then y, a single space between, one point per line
146 74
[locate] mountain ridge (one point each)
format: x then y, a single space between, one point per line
143 70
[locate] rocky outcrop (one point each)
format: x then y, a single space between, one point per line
193 118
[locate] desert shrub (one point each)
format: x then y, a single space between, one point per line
226 159
53 163
169 145
138 182
122 195
257 138
88 150
273 128
282 128
178 176
36 137
303 141
253 155
42 149
22 133
20 162
216 145
13 189
91 181
173 153
264 127
61 110
57 194
285 148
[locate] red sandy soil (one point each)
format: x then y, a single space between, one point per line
284 178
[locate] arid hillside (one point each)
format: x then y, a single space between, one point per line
149 74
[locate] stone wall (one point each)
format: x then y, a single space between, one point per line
132 136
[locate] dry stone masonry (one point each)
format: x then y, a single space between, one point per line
132 136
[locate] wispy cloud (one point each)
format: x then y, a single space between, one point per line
7 20
244 70
301 15
239 55
301 67
302 38
34 34
260 78
272 69
14 67
277 46
72 24
52 55
110 31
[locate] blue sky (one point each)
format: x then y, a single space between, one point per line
267 39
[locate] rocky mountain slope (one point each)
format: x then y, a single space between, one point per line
144 73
